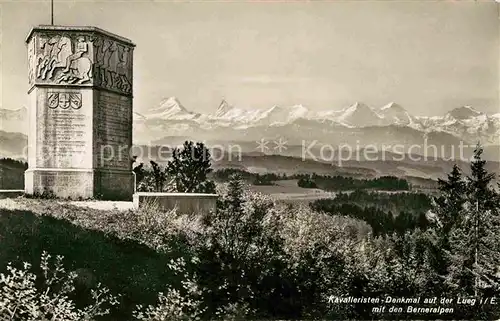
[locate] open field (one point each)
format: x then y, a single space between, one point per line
288 190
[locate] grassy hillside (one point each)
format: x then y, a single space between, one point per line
101 246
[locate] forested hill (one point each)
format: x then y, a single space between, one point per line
12 173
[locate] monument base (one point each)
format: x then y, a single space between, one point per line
114 185
117 185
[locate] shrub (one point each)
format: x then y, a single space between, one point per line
306 182
21 298
175 305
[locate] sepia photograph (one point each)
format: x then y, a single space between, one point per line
176 160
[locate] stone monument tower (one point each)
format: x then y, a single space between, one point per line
80 113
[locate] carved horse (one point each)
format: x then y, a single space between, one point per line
79 72
55 52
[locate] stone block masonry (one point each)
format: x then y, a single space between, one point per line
80 113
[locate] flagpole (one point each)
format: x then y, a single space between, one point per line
51 12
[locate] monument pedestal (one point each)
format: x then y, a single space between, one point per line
80 113
70 183
114 184
80 183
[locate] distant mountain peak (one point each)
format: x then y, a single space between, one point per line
223 108
394 113
359 105
171 104
274 109
464 112
299 107
298 111
170 108
278 114
393 106
359 114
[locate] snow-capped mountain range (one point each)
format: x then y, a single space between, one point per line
356 124
171 118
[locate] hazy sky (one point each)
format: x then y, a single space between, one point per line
427 56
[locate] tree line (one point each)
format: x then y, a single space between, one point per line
342 183
325 182
385 213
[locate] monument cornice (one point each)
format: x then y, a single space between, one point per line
75 87
59 28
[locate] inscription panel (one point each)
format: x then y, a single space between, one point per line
64 135
113 130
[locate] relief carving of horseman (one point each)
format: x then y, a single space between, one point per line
82 59
58 54
78 66
55 51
